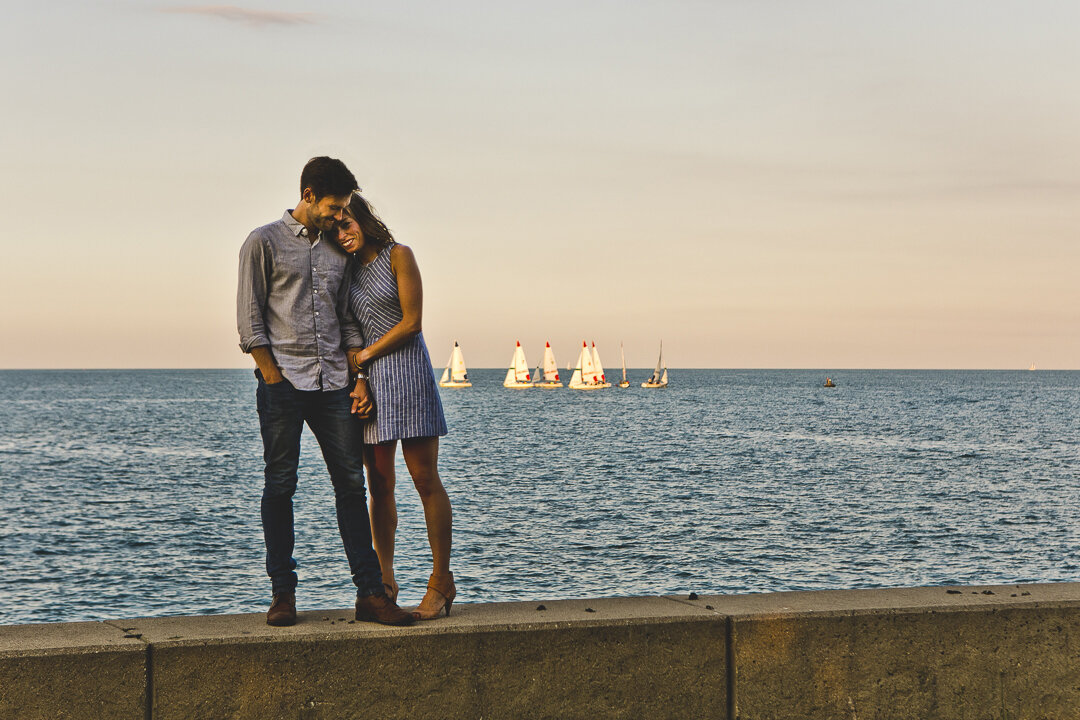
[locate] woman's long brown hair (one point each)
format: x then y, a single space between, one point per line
374 229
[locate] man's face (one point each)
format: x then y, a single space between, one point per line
327 210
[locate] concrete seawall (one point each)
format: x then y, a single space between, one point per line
995 652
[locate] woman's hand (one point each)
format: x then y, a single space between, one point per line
363 407
358 358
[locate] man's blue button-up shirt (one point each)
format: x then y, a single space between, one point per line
292 296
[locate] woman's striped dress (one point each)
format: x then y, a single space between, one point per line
407 403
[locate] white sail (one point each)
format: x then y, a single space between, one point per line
518 372
521 365
589 374
584 359
656 380
458 371
655 377
588 370
551 368
622 355
598 367
455 373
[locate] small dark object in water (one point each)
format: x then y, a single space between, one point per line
541 607
988 592
134 635
708 607
1025 593
693 596
953 592
1013 595
589 610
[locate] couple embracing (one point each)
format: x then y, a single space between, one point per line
329 307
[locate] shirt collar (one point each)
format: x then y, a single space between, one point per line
297 228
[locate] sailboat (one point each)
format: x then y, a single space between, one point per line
455 375
1032 366
547 372
598 367
624 383
656 380
517 376
587 374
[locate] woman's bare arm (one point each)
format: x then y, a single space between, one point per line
411 294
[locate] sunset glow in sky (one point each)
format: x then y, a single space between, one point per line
760 184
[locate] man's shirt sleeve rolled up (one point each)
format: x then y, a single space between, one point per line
251 289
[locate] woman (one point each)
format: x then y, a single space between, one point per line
386 297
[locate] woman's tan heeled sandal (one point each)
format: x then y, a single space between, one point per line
439 587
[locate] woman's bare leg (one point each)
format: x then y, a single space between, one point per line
379 462
422 459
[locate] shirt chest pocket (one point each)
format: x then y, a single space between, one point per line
329 276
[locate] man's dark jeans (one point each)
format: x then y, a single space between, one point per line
283 410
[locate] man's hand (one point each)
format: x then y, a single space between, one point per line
363 407
268 368
273 377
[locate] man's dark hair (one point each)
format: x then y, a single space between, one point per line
327 176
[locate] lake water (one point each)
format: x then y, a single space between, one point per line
136 493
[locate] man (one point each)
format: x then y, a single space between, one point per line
292 317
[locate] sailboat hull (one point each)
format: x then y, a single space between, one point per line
453 384
518 385
597 386
548 385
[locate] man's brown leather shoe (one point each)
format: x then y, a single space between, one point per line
282 610
381 609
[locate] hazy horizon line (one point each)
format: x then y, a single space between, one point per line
643 367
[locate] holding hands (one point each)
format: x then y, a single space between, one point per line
363 407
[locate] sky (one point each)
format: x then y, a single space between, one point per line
771 184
